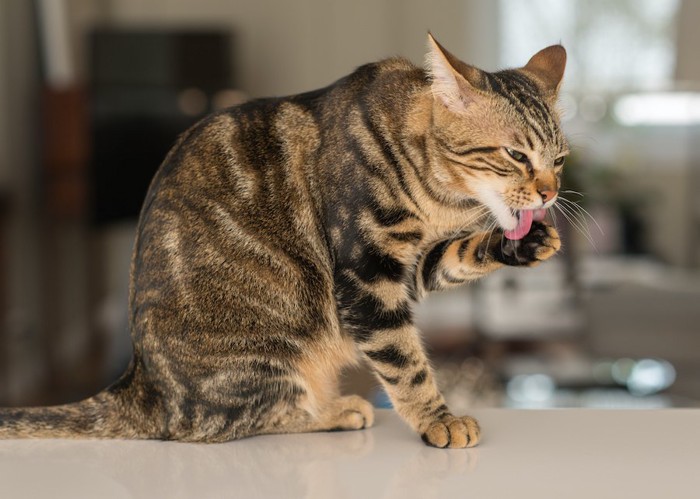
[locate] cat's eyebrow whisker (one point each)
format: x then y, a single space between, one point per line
575 140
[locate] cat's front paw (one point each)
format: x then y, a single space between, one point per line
452 432
541 243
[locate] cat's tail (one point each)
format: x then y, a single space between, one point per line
116 412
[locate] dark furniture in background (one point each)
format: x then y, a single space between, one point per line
146 87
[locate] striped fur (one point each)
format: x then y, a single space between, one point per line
283 239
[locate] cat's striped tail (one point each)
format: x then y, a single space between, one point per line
113 413
85 419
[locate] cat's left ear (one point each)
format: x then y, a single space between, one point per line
547 66
456 84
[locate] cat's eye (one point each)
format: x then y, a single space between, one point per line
516 155
559 161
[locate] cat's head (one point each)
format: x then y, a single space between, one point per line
497 135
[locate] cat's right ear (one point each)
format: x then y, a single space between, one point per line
453 82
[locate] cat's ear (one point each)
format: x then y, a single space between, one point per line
454 83
548 66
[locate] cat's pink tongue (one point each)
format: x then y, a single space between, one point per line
525 218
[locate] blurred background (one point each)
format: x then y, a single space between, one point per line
94 92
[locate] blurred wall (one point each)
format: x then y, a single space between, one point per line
688 41
18 183
287 47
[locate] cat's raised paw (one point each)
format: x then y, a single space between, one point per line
452 432
541 243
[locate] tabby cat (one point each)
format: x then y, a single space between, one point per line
284 239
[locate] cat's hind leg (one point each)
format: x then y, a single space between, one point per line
319 406
350 412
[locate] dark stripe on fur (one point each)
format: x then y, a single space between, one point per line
388 217
407 237
461 151
462 249
389 355
375 264
472 166
432 261
385 148
389 379
363 313
419 378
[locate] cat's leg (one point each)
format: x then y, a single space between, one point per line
377 313
454 262
316 404
399 360
381 322
350 412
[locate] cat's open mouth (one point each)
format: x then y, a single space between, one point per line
525 219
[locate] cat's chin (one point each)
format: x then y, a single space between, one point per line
508 222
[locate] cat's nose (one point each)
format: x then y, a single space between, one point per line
547 195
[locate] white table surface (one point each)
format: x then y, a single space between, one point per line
559 454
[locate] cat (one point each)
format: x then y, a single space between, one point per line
284 239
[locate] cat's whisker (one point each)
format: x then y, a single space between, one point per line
578 217
573 208
483 210
583 210
575 225
553 216
491 230
570 191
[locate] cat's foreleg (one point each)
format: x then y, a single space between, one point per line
398 359
454 262
377 314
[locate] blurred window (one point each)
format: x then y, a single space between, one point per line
612 44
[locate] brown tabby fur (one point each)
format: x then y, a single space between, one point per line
284 238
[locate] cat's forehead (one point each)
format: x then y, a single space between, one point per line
538 122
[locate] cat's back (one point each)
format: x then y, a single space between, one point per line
247 184
232 206
260 159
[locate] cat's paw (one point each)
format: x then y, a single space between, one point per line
541 243
354 413
452 432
